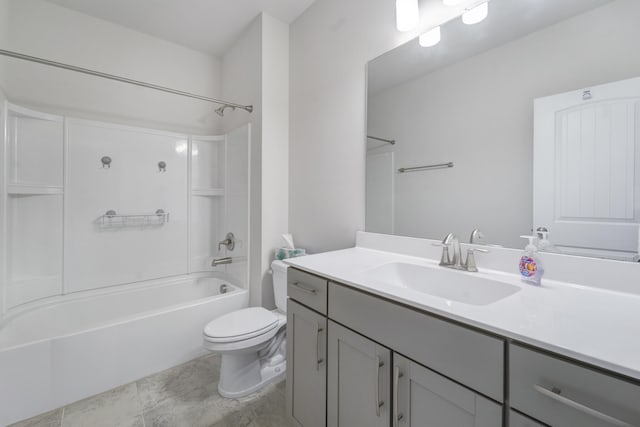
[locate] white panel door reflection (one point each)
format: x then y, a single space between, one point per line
586 169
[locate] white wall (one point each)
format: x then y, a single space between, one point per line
275 144
330 45
50 31
255 71
241 70
478 113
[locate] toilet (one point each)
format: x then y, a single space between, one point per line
252 342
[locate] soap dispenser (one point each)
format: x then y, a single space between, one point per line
530 263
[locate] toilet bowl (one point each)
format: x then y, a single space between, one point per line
252 342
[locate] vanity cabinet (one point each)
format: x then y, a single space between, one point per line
358 359
345 346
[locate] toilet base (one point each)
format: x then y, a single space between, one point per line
247 374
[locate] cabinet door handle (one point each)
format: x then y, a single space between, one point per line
555 394
379 403
397 416
319 360
304 289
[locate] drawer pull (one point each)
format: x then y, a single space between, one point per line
379 403
397 416
304 289
319 360
555 394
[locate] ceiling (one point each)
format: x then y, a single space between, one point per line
210 26
508 20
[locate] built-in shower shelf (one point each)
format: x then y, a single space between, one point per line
207 192
31 189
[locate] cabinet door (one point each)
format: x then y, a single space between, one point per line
358 380
306 366
422 397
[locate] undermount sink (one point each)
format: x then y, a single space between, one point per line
467 288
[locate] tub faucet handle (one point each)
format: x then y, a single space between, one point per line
229 242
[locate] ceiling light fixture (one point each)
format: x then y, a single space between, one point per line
430 38
407 14
476 14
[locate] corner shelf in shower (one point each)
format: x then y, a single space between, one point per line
207 192
33 189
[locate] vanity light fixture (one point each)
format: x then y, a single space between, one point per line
430 38
407 14
472 14
476 14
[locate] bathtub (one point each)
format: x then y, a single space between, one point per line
61 350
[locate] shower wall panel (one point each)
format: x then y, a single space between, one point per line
100 251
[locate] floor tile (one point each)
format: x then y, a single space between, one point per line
184 396
192 381
48 419
119 407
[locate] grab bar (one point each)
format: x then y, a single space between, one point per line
427 167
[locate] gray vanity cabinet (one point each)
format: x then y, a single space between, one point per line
422 397
358 380
306 366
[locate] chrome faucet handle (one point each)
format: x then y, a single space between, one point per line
475 236
470 263
229 242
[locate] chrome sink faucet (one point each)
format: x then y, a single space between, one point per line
447 260
454 261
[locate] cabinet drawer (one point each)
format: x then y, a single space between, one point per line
560 393
469 357
307 289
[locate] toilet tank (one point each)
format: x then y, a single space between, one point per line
279 269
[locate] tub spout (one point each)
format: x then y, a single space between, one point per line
219 261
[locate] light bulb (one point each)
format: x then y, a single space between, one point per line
452 2
407 14
430 38
477 14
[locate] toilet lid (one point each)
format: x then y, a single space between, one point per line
241 324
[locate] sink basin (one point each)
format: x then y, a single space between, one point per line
467 288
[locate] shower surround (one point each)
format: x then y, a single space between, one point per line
108 232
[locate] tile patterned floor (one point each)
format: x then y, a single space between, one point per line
184 396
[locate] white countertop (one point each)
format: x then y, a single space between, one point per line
597 326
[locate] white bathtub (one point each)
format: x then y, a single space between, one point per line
75 346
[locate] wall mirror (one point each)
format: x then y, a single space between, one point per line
540 97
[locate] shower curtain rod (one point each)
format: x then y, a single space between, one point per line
17 55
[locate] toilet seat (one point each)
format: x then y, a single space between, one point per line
241 325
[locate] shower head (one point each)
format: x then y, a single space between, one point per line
220 111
